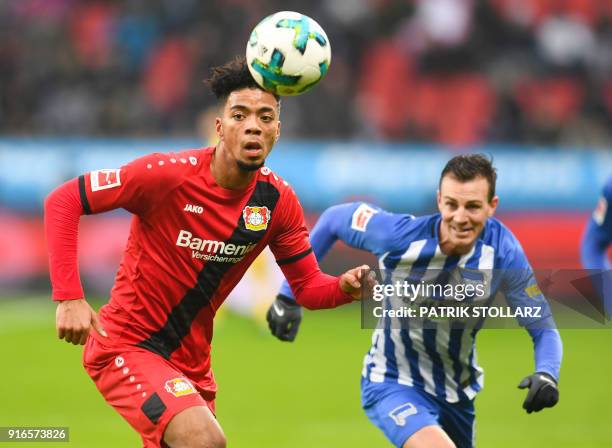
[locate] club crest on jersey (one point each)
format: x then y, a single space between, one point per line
179 387
256 218
103 179
402 412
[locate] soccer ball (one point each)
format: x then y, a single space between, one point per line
288 53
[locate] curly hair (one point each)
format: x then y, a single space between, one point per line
234 75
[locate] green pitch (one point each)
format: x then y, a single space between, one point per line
306 394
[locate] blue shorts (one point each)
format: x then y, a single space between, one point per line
399 411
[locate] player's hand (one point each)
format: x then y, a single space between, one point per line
353 280
74 319
543 392
284 317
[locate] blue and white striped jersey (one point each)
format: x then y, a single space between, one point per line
441 360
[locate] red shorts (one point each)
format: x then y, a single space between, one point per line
143 387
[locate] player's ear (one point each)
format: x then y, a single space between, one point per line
493 205
278 129
219 128
439 200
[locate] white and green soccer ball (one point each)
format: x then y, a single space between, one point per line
288 53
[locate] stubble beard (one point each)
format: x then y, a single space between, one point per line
249 167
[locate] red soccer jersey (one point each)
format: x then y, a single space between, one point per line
190 243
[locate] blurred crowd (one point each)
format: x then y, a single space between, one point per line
456 72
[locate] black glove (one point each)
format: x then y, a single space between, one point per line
284 317
543 392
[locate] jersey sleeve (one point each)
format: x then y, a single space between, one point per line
290 241
521 290
547 350
520 286
364 226
135 186
598 234
311 287
63 210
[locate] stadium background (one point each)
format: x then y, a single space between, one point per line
92 84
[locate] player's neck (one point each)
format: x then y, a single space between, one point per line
448 248
227 173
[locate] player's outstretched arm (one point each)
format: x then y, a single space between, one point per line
314 289
285 314
349 223
74 319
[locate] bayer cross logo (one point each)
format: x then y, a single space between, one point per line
256 218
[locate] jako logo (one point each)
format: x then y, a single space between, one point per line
194 209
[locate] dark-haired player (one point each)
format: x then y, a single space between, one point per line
419 384
200 218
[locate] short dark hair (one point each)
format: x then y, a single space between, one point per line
467 167
234 75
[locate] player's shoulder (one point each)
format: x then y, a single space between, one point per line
427 222
399 230
364 212
276 182
163 163
423 227
496 232
394 232
498 235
